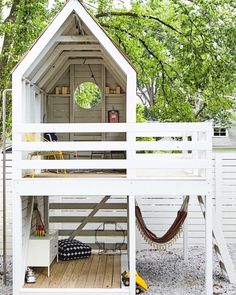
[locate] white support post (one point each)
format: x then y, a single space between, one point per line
103 108
25 242
185 238
131 118
218 186
139 238
17 245
71 101
208 236
132 245
17 109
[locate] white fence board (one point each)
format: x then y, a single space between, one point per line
8 204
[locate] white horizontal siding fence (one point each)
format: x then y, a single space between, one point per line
8 203
159 212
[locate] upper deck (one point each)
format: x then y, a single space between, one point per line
157 158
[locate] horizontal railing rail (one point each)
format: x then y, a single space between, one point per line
116 127
114 145
147 146
112 164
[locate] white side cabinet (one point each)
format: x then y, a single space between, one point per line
43 250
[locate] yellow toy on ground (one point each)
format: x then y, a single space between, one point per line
141 285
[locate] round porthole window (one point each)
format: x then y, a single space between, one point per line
87 95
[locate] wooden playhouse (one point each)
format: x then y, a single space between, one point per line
99 150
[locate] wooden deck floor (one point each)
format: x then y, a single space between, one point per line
147 174
79 175
98 271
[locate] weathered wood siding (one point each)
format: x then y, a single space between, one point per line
63 108
66 214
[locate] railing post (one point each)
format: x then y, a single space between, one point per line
132 244
185 237
131 153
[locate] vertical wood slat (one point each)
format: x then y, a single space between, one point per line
81 282
100 272
75 274
59 271
116 283
69 269
107 283
92 272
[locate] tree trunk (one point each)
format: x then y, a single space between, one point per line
8 39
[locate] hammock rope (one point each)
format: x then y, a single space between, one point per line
173 233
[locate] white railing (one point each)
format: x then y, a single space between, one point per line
161 147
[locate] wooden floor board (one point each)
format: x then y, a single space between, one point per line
92 272
80 283
107 283
79 175
47 280
70 266
98 271
116 272
57 274
76 273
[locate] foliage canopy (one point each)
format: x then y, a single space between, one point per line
183 50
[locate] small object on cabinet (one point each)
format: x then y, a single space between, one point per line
65 90
58 90
113 116
107 90
118 90
40 231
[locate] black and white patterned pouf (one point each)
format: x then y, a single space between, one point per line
69 249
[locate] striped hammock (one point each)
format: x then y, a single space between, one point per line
173 233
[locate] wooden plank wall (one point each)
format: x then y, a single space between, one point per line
63 109
65 219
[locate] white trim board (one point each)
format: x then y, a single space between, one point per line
101 291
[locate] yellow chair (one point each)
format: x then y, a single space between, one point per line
33 137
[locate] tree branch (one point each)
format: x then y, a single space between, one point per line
201 110
136 15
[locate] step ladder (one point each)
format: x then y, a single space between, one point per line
219 244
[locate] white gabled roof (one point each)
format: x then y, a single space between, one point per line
48 39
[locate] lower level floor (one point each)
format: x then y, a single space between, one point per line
97 271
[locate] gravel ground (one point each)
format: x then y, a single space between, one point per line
167 273
6 290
